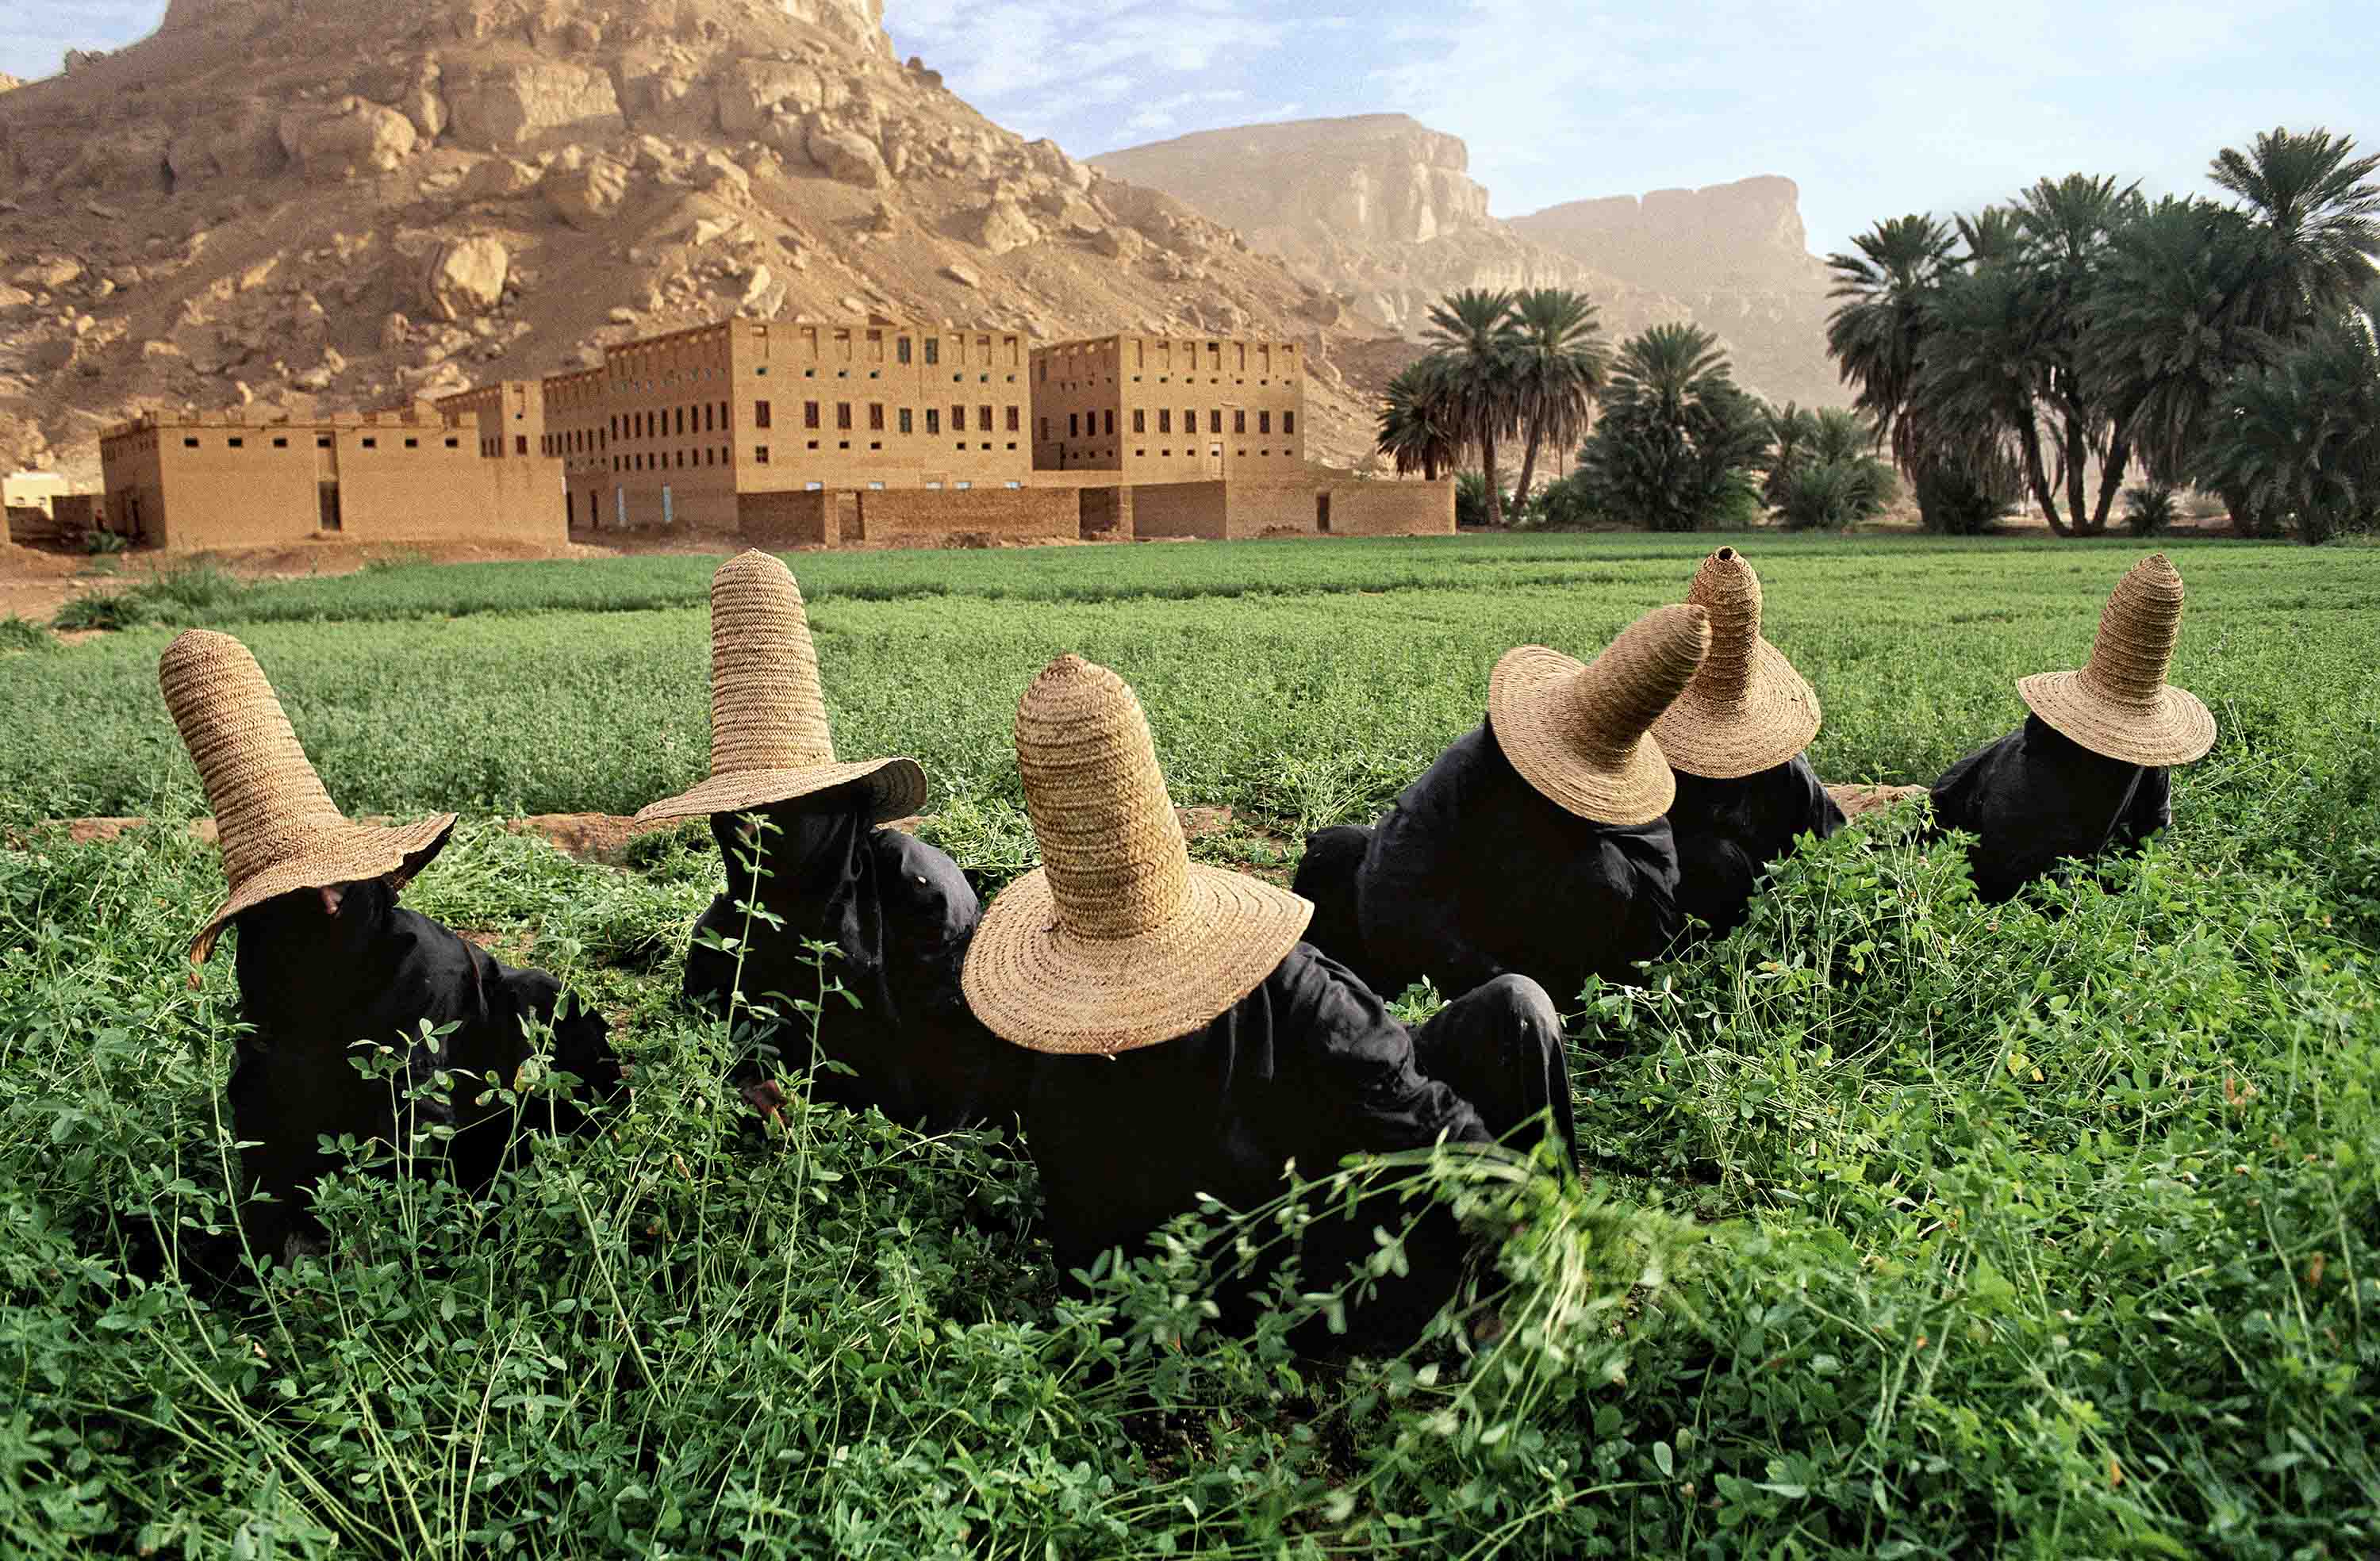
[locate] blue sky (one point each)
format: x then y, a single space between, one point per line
1873 110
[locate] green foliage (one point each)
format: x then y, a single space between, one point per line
1566 505
1470 499
1924 1228
22 634
99 540
2299 440
96 610
1820 469
1676 444
1420 427
2149 509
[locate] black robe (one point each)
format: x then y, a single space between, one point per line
1475 874
1727 833
2037 796
312 984
903 914
1309 1067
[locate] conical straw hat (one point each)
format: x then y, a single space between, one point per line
2120 705
277 827
1118 941
1581 735
1747 710
768 737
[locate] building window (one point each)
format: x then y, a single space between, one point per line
900 349
280 444
1288 422
1073 431
1264 422
933 351
372 443
962 486
237 443
321 442
454 444
759 454
904 420
760 414
933 414
1139 420
983 418
415 444
812 487
875 417
1239 420
809 414
1110 422
877 487
1165 419
1041 429
520 445
842 414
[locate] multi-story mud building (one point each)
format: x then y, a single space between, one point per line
1164 409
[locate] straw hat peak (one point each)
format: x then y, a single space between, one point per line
277 827
1118 940
2118 703
1581 733
1747 709
770 741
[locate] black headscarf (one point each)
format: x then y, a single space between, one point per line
312 983
1728 831
903 913
1475 873
2036 796
1309 1067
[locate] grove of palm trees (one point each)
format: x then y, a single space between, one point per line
2074 345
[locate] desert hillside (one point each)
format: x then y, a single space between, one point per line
1381 210
348 205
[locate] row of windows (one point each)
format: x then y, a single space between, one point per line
717 455
1069 453
678 422
812 411
1077 424
324 441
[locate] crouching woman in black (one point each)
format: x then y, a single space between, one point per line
2086 777
327 960
1183 1041
801 835
1745 792
1537 844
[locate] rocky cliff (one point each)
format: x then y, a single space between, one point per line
347 205
1381 210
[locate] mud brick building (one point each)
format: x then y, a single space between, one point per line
188 482
695 428
1170 409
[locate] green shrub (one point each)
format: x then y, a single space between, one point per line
1470 499
98 609
2149 509
23 633
99 540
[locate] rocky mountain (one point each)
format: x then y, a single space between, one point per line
303 202
1381 210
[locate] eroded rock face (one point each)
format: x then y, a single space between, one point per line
847 156
1373 178
502 107
583 189
1750 226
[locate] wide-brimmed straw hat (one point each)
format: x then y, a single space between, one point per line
768 737
1117 941
277 827
1747 709
2120 705
1581 733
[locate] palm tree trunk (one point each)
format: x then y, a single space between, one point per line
2036 476
1488 463
2078 450
1529 463
2111 482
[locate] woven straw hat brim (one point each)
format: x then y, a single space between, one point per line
335 856
1033 985
899 786
2177 729
1521 695
1777 719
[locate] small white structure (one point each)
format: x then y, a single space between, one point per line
30 491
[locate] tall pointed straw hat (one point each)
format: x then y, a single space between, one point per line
2120 705
768 737
1118 941
279 831
1747 709
1582 735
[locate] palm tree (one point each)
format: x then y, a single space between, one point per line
2070 227
1561 371
1792 431
2318 201
1875 332
1418 429
2301 438
1478 348
1678 442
